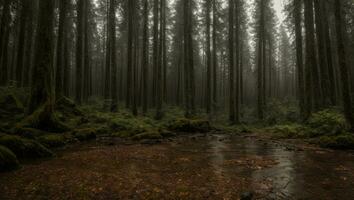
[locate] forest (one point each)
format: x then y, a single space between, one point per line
176 99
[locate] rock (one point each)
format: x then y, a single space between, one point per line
246 196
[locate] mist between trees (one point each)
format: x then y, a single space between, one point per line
223 58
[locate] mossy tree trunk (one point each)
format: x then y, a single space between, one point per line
42 86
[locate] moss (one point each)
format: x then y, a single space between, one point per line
327 122
343 141
43 119
30 133
288 131
147 135
85 134
67 107
25 148
8 160
52 141
189 126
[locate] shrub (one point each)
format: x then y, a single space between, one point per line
327 122
288 131
25 148
343 141
8 160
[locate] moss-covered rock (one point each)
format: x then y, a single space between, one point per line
343 141
8 160
52 141
85 134
189 125
25 148
327 122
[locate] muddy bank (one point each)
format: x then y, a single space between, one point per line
195 167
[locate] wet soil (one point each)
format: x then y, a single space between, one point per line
189 167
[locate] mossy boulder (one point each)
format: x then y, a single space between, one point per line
52 141
326 122
25 148
85 134
189 126
8 160
343 141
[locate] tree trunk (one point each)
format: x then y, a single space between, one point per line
343 65
231 63
299 57
60 49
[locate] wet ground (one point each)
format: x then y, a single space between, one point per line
195 167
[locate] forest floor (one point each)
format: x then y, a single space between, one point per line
196 166
97 154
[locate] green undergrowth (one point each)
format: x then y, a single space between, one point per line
25 148
327 128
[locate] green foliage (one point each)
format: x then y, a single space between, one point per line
8 160
342 141
279 112
52 141
189 125
43 119
25 148
327 122
288 131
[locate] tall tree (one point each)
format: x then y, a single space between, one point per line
160 66
313 89
60 54
231 63
130 56
4 40
155 56
299 56
343 65
112 57
322 51
208 57
261 61
188 60
86 90
215 59
80 50
41 87
145 56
